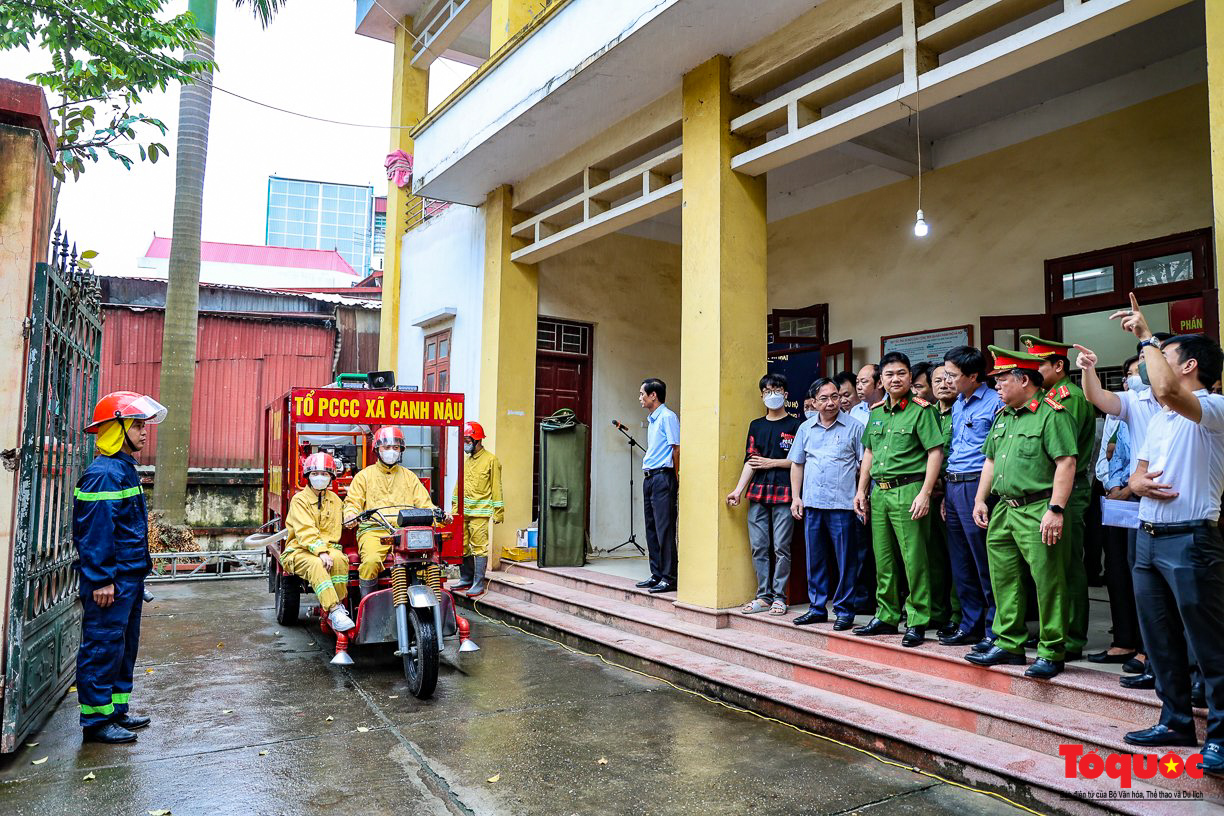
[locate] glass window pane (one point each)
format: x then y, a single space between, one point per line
1165 269
429 382
1004 338
1088 282
431 352
443 380
443 348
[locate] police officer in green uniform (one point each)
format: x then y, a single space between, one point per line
1054 373
1030 466
903 452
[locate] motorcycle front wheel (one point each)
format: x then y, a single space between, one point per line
421 659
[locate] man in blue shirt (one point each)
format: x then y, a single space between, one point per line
972 414
661 465
111 533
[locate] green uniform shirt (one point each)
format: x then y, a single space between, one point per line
899 437
1083 420
1024 444
945 428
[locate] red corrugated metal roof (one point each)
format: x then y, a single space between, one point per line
256 255
242 365
380 204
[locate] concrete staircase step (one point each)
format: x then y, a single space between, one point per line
938 747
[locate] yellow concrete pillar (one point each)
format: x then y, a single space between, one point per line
1215 106
509 16
507 362
722 345
409 102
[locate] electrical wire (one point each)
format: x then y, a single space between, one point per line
740 710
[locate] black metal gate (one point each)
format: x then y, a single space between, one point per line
65 345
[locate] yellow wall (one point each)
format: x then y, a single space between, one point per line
1140 173
630 289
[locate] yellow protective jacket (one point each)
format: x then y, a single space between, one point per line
482 487
380 486
314 524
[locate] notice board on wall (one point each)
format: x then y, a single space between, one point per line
928 345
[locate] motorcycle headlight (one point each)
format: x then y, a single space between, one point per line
418 539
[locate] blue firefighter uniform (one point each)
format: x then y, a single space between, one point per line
111 533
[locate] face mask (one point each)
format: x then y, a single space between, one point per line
774 401
1143 378
809 414
319 481
389 456
1135 382
468 446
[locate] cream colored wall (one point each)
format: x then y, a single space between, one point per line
1140 173
629 288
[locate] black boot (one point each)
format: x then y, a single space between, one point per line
109 733
131 723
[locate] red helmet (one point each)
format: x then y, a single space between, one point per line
126 405
317 462
473 430
389 435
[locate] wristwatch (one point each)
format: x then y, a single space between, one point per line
1151 341
1056 508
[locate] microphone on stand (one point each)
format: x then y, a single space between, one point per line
618 425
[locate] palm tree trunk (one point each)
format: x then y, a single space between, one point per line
178 365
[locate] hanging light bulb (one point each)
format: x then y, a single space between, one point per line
920 226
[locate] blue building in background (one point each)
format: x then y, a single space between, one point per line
319 215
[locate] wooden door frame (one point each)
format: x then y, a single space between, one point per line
588 387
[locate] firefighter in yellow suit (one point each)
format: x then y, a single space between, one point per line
386 483
312 550
482 505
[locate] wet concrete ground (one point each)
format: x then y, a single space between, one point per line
225 683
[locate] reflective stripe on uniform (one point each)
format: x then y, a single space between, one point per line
339 579
108 495
317 547
121 698
320 587
109 708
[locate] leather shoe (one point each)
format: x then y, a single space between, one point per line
961 637
1071 657
1043 668
984 645
995 657
662 587
1106 657
1134 666
649 582
876 627
1198 695
946 630
843 623
1160 734
1213 759
914 636
109 733
811 616
1147 680
131 723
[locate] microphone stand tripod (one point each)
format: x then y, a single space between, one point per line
632 539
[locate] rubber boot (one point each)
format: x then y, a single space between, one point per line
465 574
364 588
479 587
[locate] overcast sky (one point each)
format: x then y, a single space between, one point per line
309 60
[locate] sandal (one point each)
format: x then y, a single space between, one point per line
756 605
778 608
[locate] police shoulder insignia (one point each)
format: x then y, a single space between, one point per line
1032 406
878 404
1053 403
921 401
1064 392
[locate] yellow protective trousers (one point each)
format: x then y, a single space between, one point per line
373 553
329 586
476 535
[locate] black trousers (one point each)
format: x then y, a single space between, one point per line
659 504
1121 588
1179 588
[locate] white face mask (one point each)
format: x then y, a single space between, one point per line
774 401
389 456
1135 382
468 447
319 481
809 414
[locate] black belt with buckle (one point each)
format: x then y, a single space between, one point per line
1029 498
653 471
898 481
968 476
1173 528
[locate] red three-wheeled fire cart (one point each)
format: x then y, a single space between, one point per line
411 608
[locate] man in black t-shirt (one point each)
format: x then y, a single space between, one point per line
766 481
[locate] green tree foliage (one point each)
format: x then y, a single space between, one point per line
103 55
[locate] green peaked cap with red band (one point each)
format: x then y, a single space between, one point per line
1006 360
1044 348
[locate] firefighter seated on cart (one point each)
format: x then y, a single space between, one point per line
312 550
385 483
